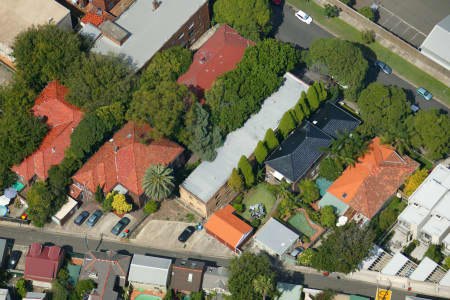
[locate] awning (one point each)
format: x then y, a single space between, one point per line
10 193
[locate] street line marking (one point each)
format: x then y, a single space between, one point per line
381 6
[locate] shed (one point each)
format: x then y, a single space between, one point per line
275 237
66 211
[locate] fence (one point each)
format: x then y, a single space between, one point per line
15 220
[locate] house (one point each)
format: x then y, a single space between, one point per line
230 230
206 189
121 162
42 263
299 155
67 210
108 270
373 180
427 216
34 296
18 15
187 275
437 43
147 27
289 291
221 53
275 238
62 118
149 272
4 294
215 280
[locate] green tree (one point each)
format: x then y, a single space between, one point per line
343 249
346 149
99 195
97 80
413 181
299 114
434 253
7 177
44 53
247 171
169 294
305 257
329 169
166 65
151 207
158 182
309 191
250 18
331 11
263 285
313 97
430 130
23 286
322 91
39 200
287 124
162 108
304 106
286 207
81 287
327 216
261 152
107 203
244 269
235 181
368 13
271 140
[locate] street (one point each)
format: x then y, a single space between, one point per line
293 31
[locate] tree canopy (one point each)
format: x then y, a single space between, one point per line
309 190
158 182
235 181
250 18
247 171
39 200
329 169
327 216
413 181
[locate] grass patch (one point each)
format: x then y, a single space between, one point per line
259 194
396 62
299 222
384 220
424 162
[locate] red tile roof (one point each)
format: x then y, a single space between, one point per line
61 117
227 227
93 18
125 159
374 179
42 262
219 54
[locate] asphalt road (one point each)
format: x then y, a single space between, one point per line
293 31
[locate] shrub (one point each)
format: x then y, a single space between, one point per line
305 239
313 98
235 181
271 140
329 169
447 262
151 207
261 152
328 217
246 170
348 2
331 11
333 93
309 191
99 195
434 253
322 91
298 114
287 124
413 181
238 199
302 103
304 258
107 203
255 223
408 249
239 207
368 13
22 286
120 204
368 36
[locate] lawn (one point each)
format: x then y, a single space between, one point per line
259 194
299 222
400 65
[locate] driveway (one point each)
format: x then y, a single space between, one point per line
164 235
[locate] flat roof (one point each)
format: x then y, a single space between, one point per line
395 264
276 236
209 177
413 214
66 208
447 239
372 256
149 269
443 207
436 226
446 279
432 188
424 269
289 291
438 42
18 15
149 29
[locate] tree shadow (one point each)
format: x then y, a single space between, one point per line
410 96
276 17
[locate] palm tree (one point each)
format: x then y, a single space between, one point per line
263 285
158 182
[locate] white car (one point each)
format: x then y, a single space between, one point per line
304 17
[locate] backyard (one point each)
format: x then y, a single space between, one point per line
259 194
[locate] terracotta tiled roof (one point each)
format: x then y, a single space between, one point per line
93 18
227 227
219 54
375 178
125 159
61 117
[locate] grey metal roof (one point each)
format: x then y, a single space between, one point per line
149 269
424 269
215 278
276 236
395 264
298 153
209 177
436 45
149 29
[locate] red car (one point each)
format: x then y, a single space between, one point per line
276 2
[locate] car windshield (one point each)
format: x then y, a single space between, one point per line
426 93
306 16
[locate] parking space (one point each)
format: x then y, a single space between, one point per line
164 235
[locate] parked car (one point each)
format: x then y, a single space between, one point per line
414 108
304 17
93 219
383 67
14 259
424 93
81 217
276 2
186 234
120 226
297 251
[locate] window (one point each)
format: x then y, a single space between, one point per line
344 195
192 25
181 36
190 277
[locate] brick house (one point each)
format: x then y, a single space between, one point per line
62 118
121 162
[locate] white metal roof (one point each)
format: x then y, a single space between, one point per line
424 269
413 214
447 239
443 207
66 208
446 279
149 269
276 236
209 177
149 29
436 226
437 43
395 264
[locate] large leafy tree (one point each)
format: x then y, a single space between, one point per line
158 182
81 288
343 249
97 80
250 18
263 285
166 65
271 140
44 53
247 171
343 60
163 108
39 200
244 270
347 148
430 130
309 190
329 169
327 216
235 181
